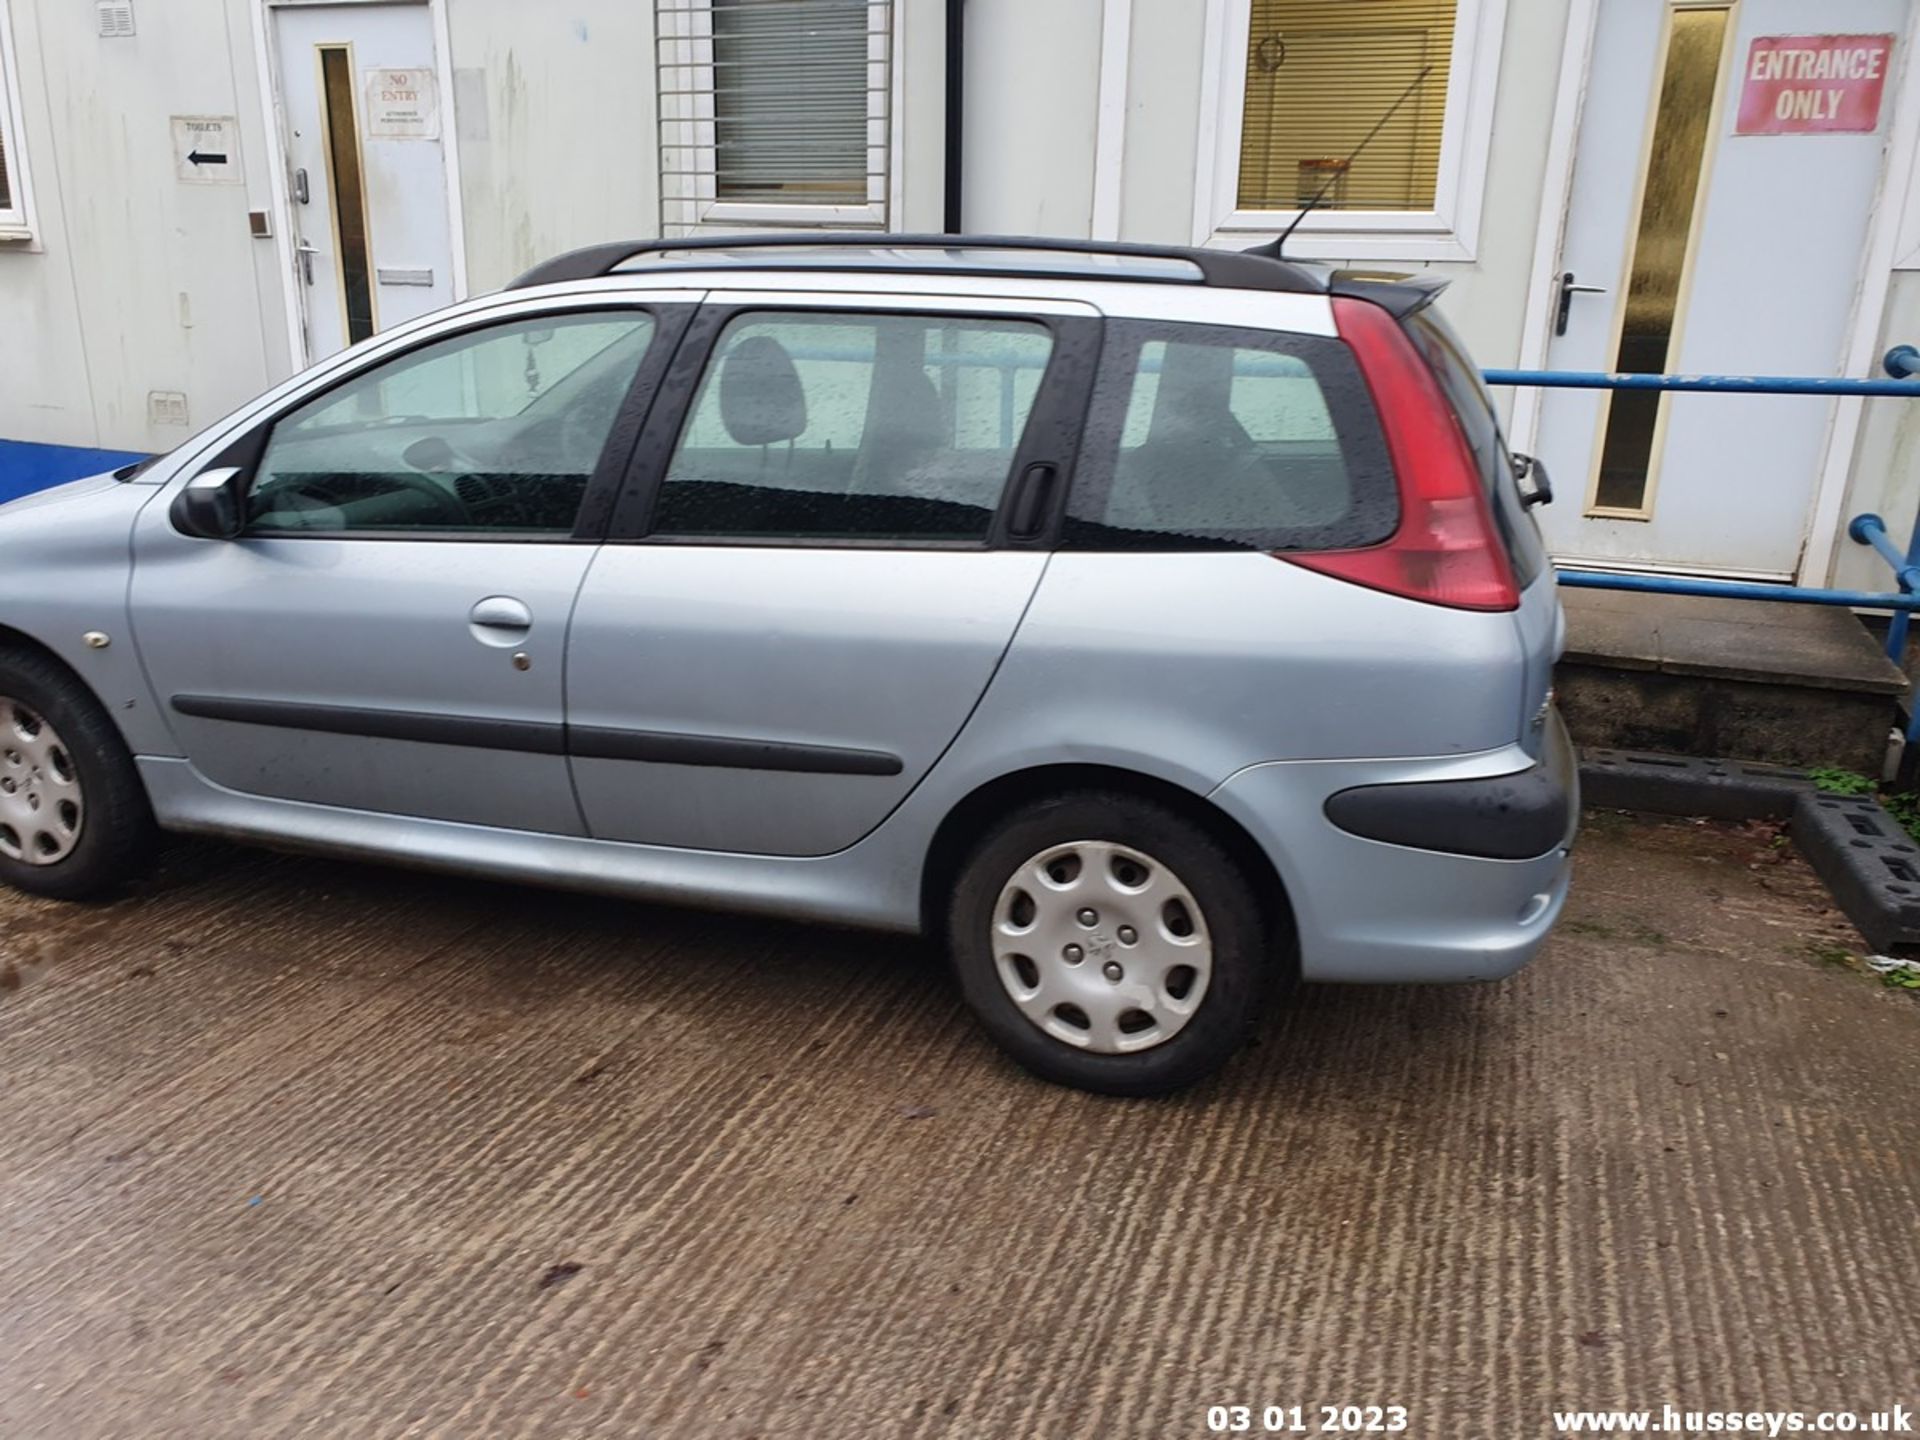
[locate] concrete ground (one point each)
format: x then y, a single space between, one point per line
297 1148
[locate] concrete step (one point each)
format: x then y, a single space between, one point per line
1803 685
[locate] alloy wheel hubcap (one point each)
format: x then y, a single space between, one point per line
1102 947
41 807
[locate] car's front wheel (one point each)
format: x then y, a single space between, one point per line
1109 943
74 818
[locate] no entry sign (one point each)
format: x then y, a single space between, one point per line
1813 84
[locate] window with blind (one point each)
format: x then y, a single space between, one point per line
12 211
774 109
1319 75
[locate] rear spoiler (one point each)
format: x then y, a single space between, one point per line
1399 295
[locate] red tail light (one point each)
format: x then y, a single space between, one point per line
1447 550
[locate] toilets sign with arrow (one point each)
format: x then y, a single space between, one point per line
206 149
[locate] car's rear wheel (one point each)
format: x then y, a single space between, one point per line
74 818
1109 943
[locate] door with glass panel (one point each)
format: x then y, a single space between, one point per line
1690 247
819 565
360 108
387 629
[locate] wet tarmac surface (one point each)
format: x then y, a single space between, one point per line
299 1148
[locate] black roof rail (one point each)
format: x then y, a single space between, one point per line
1232 269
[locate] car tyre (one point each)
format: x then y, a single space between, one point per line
1142 894
62 759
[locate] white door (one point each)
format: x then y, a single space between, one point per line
1713 251
363 125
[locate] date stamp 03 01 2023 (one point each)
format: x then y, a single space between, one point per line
1306 1419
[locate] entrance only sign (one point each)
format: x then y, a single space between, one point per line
1813 84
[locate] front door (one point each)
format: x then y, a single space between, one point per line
362 123
388 631
1718 217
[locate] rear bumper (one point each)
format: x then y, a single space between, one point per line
1383 911
1499 817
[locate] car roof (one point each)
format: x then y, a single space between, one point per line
1024 256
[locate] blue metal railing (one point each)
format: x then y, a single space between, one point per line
1720 384
1903 364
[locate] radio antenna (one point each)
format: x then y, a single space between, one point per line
1275 248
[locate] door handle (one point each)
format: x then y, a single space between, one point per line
1032 501
306 250
1567 291
500 620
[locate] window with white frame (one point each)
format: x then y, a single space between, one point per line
1300 84
6 184
776 111
13 185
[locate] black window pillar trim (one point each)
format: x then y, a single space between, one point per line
630 422
646 464
1054 429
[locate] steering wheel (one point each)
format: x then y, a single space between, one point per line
447 506
568 442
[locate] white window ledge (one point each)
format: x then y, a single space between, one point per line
1345 234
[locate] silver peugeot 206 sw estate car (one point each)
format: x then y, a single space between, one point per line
1156 626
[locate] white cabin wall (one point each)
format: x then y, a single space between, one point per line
134 281
554 109
1885 475
1032 95
1162 132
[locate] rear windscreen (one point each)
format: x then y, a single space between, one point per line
1473 408
1204 437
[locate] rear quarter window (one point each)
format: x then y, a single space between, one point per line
1206 437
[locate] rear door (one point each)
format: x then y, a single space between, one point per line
817 566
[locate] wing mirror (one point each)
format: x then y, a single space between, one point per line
1536 486
210 507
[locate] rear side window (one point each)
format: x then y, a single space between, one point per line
854 427
1204 437
1473 408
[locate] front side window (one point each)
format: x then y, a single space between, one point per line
496 430
1320 74
854 427
1208 438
